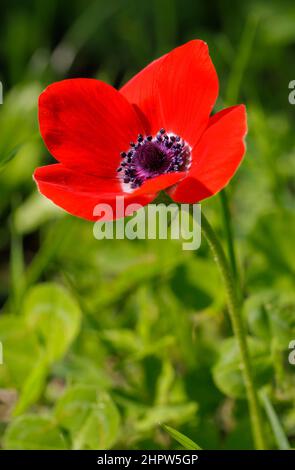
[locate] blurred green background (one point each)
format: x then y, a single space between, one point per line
104 342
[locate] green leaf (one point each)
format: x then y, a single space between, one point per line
21 349
123 339
31 432
178 414
270 315
5 158
276 426
32 387
81 369
227 372
90 416
52 312
255 311
19 129
185 441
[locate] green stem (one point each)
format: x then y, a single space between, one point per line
239 331
229 232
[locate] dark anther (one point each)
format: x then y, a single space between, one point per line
152 156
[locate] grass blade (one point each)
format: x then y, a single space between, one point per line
185 441
280 436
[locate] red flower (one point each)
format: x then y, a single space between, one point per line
154 134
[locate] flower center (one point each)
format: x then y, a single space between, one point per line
153 156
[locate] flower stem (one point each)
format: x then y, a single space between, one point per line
228 232
238 328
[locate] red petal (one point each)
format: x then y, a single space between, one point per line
159 183
86 123
188 87
78 193
216 157
178 91
143 93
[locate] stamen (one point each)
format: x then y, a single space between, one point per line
152 156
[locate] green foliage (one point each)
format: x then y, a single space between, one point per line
90 416
21 348
127 344
55 317
227 371
31 432
270 316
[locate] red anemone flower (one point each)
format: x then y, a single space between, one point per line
155 134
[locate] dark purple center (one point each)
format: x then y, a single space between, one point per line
153 156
